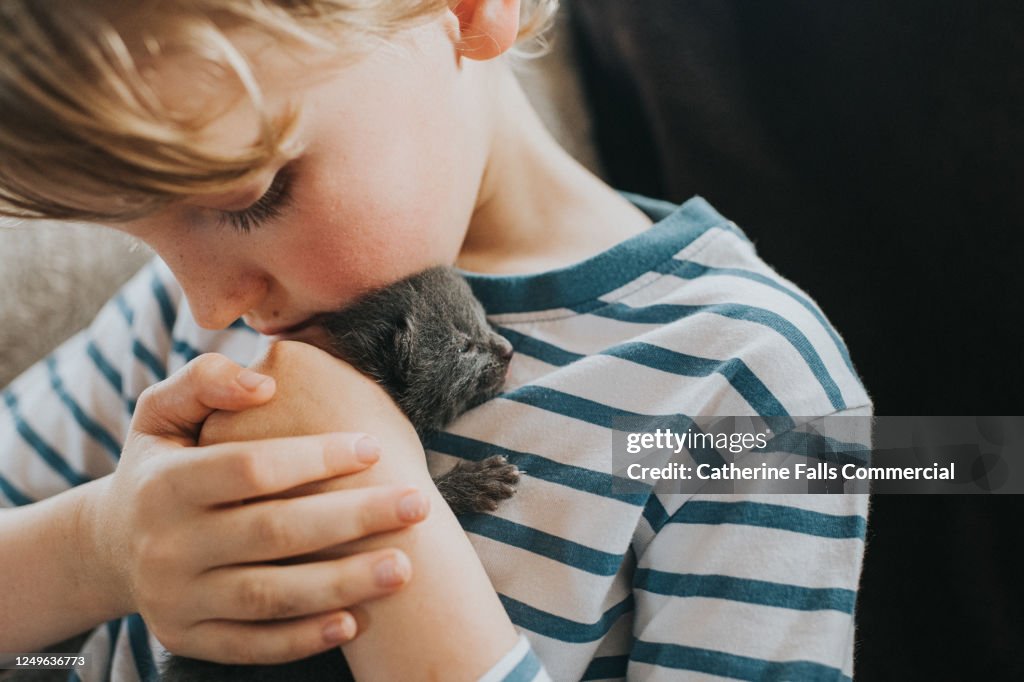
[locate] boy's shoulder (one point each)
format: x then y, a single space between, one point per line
688 309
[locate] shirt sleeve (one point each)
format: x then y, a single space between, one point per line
520 664
750 586
64 420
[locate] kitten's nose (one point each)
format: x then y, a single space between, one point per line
504 349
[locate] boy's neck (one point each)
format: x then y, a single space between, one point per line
538 208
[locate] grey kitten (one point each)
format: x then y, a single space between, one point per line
426 341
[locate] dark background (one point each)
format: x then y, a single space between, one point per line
874 152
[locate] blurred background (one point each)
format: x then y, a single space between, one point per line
874 152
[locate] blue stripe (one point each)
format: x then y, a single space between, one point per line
563 629
733 666
138 638
126 310
167 310
113 631
538 542
739 376
186 351
665 313
759 514
110 373
675 228
526 670
105 368
734 370
48 454
146 357
88 424
535 348
601 415
542 468
18 498
692 270
764 592
606 668
655 513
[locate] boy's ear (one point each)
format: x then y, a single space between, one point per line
487 28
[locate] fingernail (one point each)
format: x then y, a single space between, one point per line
340 630
250 380
368 449
390 572
412 506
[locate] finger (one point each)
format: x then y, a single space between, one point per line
232 472
176 407
278 529
268 642
269 592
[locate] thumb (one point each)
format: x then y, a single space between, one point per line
176 407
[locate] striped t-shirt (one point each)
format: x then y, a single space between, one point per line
682 319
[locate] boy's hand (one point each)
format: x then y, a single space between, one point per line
182 538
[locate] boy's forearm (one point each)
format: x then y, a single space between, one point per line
447 622
50 587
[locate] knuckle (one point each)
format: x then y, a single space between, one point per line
207 368
251 470
259 598
148 398
341 590
149 489
272 532
369 518
154 553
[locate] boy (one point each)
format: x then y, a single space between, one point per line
417 152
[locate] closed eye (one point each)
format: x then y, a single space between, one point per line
267 207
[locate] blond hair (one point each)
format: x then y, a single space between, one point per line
83 135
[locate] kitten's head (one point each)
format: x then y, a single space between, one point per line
428 343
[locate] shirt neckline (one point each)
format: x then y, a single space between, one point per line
674 227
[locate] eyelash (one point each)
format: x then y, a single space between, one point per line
267 207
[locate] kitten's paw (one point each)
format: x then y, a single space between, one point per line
471 487
498 480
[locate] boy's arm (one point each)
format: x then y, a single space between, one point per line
751 586
447 622
62 426
49 591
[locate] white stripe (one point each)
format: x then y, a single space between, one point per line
714 549
765 632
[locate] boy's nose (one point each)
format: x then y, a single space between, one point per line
217 302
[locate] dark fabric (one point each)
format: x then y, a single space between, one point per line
874 151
